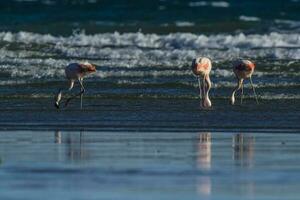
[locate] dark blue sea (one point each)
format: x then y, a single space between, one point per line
141 131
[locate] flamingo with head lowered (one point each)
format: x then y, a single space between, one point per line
242 69
73 72
201 67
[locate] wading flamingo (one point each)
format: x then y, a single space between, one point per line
243 69
73 72
201 68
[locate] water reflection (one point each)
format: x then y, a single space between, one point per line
243 150
204 151
242 156
57 136
204 163
74 143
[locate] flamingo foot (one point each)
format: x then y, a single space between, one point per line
56 105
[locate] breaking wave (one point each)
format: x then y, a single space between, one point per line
157 64
170 41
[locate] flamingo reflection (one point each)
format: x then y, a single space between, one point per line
243 155
75 149
204 163
57 137
243 149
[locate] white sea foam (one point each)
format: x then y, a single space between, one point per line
13 82
291 23
31 55
249 18
184 23
222 4
272 96
174 40
222 73
232 83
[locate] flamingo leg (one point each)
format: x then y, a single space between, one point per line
200 90
208 84
253 88
82 90
58 97
204 87
239 85
81 98
242 93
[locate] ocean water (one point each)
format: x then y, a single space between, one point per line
138 70
141 133
144 49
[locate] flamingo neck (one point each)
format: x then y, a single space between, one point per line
206 101
232 99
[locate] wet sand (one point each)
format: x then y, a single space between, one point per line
148 165
150 114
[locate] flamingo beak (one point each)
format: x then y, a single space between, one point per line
93 68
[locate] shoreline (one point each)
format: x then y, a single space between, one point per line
36 128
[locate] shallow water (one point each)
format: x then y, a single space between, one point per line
147 165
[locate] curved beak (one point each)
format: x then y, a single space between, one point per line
92 68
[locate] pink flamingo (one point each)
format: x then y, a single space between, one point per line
75 71
243 69
201 68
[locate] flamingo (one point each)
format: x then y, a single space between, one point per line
73 72
201 67
243 69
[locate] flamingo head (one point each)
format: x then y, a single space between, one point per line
89 68
251 65
200 68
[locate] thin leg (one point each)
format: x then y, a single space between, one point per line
79 94
208 83
204 86
81 97
253 90
58 97
242 93
200 90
